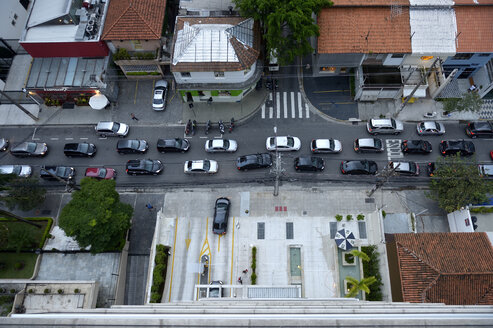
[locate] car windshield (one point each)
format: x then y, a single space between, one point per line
483 126
148 165
158 97
17 169
102 173
412 167
116 127
225 143
84 148
60 171
290 141
331 143
207 165
134 144
30 147
378 143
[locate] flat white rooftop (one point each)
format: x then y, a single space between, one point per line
433 30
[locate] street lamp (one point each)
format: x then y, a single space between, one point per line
302 280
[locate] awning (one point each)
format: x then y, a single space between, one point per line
98 101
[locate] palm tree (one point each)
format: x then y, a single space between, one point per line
357 286
360 254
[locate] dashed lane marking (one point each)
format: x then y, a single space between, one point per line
393 148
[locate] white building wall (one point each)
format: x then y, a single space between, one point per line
197 5
10 9
209 77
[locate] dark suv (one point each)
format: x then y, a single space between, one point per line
63 172
82 149
132 146
221 215
144 167
309 163
254 161
482 129
452 147
173 145
416 147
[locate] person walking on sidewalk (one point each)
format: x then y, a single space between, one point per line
240 281
149 206
134 117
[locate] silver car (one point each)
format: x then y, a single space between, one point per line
23 171
200 166
326 146
112 129
4 144
430 128
160 93
28 149
283 143
220 146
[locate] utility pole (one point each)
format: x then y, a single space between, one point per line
278 170
18 105
387 172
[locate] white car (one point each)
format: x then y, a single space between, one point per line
160 93
220 145
430 128
111 129
326 146
283 143
200 166
23 171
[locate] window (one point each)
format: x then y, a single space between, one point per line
218 74
343 70
484 55
463 56
328 69
12 22
289 230
260 230
24 3
186 74
397 56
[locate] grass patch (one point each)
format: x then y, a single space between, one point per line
37 235
9 260
6 303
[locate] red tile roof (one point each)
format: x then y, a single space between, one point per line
363 30
474 28
368 3
134 20
450 268
473 2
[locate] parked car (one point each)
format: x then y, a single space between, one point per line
368 145
144 167
101 173
160 93
4 144
112 129
132 146
253 161
430 128
359 167
81 149
480 129
200 166
452 147
309 163
485 170
30 149
384 126
416 147
173 145
63 172
283 143
220 146
221 215
405 168
325 146
23 171
216 291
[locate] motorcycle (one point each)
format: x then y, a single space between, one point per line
221 126
188 127
272 84
194 127
208 127
231 124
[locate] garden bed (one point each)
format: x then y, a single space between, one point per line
9 269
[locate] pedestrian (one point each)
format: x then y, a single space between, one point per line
134 117
190 105
149 206
240 281
209 101
245 271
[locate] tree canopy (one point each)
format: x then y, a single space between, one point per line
288 24
95 216
469 102
456 183
26 194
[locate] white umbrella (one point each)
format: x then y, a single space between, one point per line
98 101
344 239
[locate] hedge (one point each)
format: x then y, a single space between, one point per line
371 268
159 273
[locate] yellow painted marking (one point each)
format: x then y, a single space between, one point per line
219 243
169 101
327 91
188 240
135 94
336 103
173 261
232 252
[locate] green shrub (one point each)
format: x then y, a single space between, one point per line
18 265
339 217
253 278
482 209
155 297
159 273
30 291
254 260
77 290
384 214
13 291
360 217
371 268
349 217
47 291
120 54
254 251
349 258
60 291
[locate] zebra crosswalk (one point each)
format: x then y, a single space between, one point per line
285 105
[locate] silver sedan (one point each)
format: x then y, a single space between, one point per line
430 128
220 146
200 166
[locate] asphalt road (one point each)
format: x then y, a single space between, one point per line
251 139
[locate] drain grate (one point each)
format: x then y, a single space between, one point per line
369 200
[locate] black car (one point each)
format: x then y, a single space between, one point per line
132 146
309 163
481 129
82 149
144 167
253 161
221 215
216 291
368 145
416 147
359 167
452 147
63 172
176 145
30 149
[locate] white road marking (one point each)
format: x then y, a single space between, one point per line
278 104
53 138
300 109
307 111
293 110
285 98
263 110
393 148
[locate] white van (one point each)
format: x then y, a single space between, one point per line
273 65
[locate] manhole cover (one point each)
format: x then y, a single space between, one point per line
369 200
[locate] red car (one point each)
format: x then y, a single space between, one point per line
491 154
101 173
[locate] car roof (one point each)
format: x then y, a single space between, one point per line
381 122
161 83
323 143
366 142
431 125
482 125
403 166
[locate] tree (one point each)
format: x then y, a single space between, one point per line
95 216
288 24
456 183
357 286
360 254
26 194
469 102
